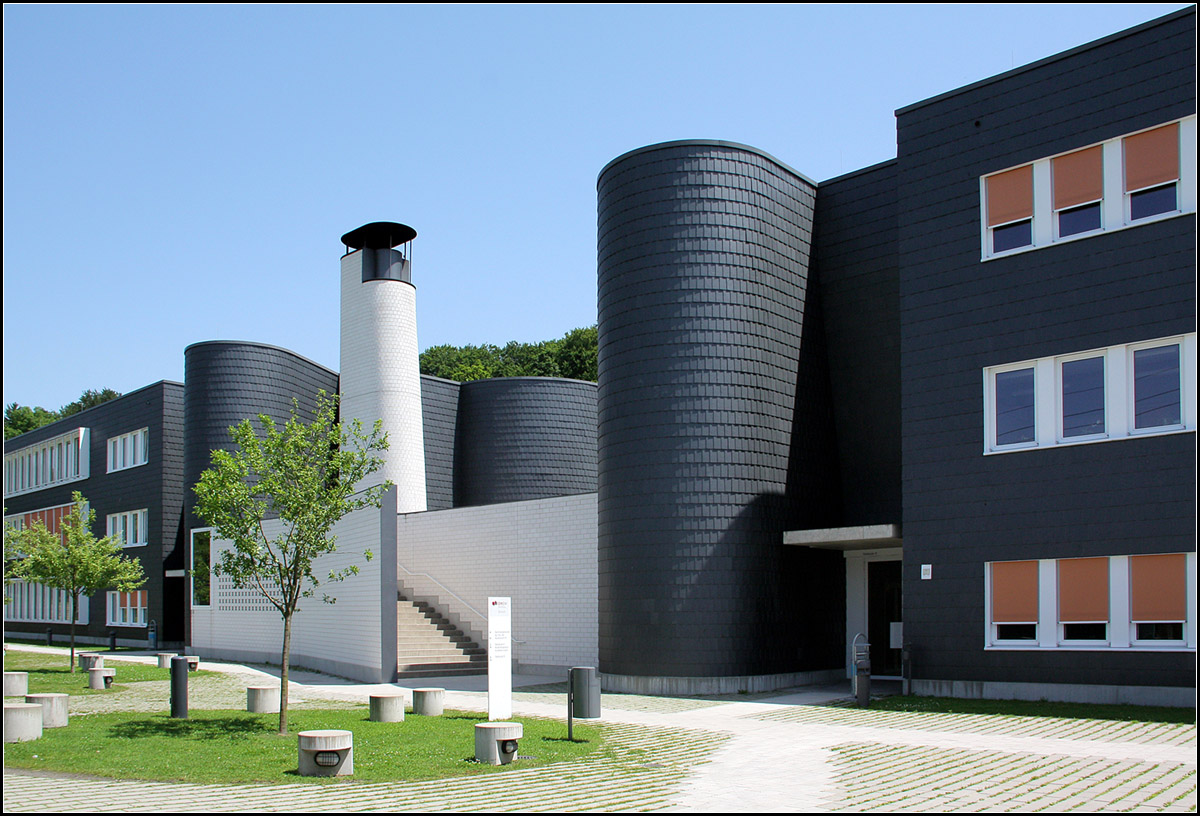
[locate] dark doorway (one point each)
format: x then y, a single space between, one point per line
883 609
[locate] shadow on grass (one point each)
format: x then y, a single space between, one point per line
201 728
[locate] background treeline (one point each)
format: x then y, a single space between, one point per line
19 419
573 356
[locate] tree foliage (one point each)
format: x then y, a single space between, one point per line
19 419
277 497
73 559
574 356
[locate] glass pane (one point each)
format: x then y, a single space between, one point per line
1156 395
1152 202
1014 407
1085 631
1083 397
1012 236
1016 631
200 568
1160 631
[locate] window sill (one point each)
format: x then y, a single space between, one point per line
129 467
1083 236
1137 647
1174 429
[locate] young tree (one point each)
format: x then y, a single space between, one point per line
306 476
73 559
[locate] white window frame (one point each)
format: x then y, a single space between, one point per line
1122 631
119 525
128 450
1119 414
134 616
56 461
35 603
1114 206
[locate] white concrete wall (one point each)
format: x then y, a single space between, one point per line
540 553
342 638
380 377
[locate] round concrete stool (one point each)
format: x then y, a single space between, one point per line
16 684
22 722
193 662
54 709
496 742
90 660
164 659
263 699
387 708
326 753
429 702
101 679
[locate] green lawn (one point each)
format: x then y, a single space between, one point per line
236 747
1042 708
51 673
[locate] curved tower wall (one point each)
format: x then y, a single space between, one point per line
228 381
380 377
703 277
522 438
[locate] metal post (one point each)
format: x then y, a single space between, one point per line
179 688
570 706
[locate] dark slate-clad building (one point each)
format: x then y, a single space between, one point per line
125 457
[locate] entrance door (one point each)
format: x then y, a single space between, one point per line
883 609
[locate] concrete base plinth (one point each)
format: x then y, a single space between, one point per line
387 708
54 709
496 742
16 684
429 702
263 699
316 746
22 722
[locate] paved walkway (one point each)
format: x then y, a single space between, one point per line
765 753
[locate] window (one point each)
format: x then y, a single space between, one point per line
130 529
128 450
35 603
201 567
52 462
1134 602
127 608
1123 182
1119 392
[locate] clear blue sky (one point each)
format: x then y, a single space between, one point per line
174 174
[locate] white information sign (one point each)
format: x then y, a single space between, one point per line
499 658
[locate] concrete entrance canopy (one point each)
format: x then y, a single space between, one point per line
866 537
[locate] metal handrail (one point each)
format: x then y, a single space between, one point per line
447 590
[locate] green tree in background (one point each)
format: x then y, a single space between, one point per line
73 559
19 419
88 399
574 356
306 474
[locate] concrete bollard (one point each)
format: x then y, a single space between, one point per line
496 742
54 709
22 722
263 699
164 659
193 662
326 753
101 679
387 708
90 660
16 684
429 702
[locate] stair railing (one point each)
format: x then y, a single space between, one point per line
449 592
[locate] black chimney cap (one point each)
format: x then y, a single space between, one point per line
379 235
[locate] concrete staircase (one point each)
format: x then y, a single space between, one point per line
428 645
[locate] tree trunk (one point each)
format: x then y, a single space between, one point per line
74 615
283 673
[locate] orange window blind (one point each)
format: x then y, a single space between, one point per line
1078 177
1158 587
1015 592
1010 195
1083 590
1152 157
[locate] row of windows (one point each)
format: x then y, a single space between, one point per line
129 450
1108 602
1093 396
1123 182
55 461
128 608
130 529
34 603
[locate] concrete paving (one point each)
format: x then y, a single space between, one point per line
784 752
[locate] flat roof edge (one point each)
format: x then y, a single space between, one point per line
845 538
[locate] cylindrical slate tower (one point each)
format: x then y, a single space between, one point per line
703 251
380 374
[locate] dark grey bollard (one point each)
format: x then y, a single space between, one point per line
862 673
179 688
583 696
